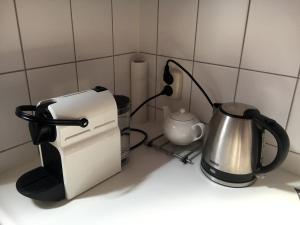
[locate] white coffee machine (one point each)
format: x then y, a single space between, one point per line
79 144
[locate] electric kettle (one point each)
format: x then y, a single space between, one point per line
233 144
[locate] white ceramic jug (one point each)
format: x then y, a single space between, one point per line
182 128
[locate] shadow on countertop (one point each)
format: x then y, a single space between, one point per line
133 173
278 179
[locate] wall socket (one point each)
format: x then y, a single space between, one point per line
177 82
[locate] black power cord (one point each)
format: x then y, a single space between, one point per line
138 131
168 91
168 78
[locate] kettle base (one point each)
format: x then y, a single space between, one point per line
226 183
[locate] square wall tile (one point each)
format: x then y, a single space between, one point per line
122 74
18 156
271 94
92 21
126 25
294 123
184 100
176 28
13 92
10 50
272 39
148 25
220 31
151 72
46 31
290 164
53 81
96 72
218 82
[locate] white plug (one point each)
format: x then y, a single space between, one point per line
177 83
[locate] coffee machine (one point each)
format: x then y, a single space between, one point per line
79 144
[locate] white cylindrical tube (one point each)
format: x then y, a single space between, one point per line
139 89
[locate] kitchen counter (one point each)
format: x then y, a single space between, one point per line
154 188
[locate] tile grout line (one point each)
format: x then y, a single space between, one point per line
293 99
166 56
22 52
276 147
269 73
91 59
126 53
113 43
15 146
233 67
242 51
13 71
74 47
194 52
156 58
216 64
57 64
148 53
64 63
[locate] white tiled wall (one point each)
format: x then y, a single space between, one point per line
10 49
46 31
54 47
92 22
219 83
220 31
176 28
126 25
247 51
272 41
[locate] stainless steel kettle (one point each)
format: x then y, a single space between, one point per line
233 144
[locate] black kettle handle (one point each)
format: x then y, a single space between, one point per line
278 132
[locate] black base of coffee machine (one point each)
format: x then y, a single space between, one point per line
41 185
44 183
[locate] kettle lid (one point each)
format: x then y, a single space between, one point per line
235 109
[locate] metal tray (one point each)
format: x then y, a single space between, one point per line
185 154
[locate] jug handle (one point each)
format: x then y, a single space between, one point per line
202 127
279 134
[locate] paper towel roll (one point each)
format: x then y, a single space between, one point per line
139 89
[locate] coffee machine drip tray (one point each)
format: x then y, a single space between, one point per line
41 185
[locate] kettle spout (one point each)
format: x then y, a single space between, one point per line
166 111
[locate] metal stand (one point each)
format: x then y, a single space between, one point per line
185 154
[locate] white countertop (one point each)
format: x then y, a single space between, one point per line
157 189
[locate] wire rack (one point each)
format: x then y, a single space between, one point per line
185 154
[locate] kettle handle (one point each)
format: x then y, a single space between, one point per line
278 132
